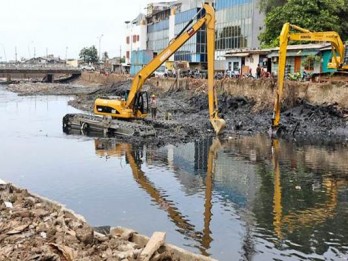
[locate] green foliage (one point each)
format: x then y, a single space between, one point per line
310 60
89 55
315 15
342 14
267 5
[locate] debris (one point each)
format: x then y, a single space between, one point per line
8 204
64 251
154 243
18 230
38 229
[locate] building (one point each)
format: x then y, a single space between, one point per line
246 60
136 36
238 24
297 53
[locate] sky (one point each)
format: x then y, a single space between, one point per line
64 27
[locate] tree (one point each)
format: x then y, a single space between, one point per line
89 55
267 5
315 15
342 14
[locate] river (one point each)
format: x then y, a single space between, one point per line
246 198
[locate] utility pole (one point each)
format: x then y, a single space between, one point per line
100 37
3 48
16 54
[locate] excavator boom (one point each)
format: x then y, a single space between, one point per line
134 104
338 54
130 108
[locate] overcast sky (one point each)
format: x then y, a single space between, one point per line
64 26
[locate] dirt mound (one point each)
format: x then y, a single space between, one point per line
306 119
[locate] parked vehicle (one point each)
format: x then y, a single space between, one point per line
161 72
87 68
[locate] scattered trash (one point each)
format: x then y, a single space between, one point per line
8 204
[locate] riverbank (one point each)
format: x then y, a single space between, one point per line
35 228
310 111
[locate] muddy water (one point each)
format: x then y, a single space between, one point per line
245 198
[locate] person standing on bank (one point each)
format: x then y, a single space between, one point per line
153 105
258 71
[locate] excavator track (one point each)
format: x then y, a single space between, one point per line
111 127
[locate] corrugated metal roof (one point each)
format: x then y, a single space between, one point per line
237 54
293 54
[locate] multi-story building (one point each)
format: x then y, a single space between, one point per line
238 24
136 36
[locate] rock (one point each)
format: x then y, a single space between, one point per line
29 202
85 235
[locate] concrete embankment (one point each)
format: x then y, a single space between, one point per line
35 228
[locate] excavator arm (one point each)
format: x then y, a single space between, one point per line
129 109
338 52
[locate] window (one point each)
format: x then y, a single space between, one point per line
127 54
127 40
134 38
138 38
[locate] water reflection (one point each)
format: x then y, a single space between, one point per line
288 204
134 156
300 216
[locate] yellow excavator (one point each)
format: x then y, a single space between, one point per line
135 105
339 59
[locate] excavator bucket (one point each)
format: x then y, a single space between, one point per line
218 125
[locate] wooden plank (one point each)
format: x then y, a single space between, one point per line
177 252
156 241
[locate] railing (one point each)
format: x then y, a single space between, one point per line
24 66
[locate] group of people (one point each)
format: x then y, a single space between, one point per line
261 72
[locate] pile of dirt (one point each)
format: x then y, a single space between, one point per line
305 119
32 228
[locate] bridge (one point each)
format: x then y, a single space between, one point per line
46 71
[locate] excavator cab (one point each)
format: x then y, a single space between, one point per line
114 105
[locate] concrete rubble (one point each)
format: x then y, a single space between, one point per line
33 228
